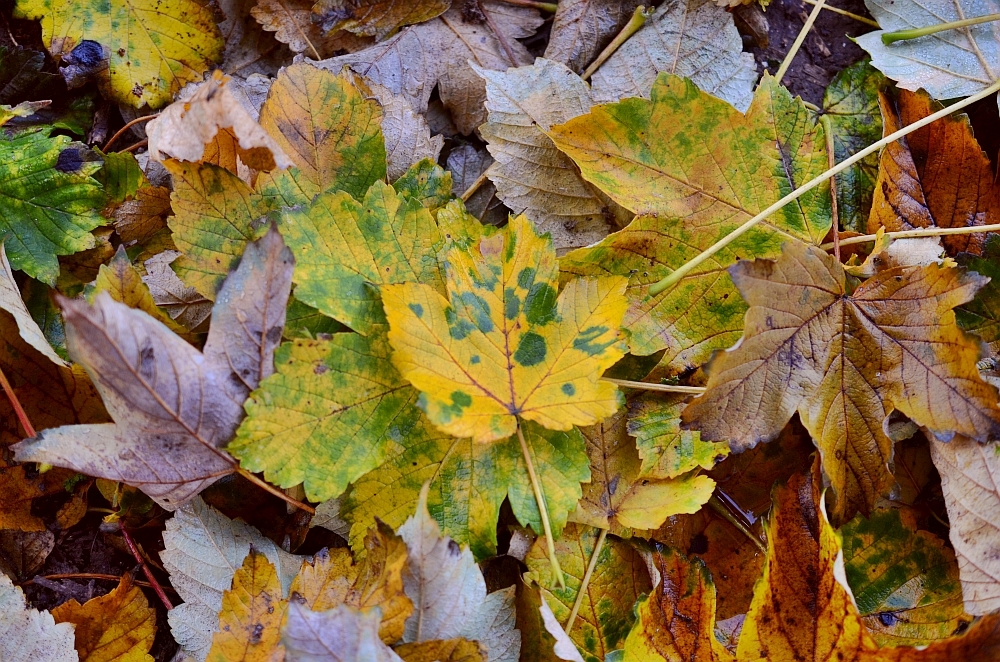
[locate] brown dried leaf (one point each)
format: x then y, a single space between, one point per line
136 221
376 18
23 553
582 28
291 21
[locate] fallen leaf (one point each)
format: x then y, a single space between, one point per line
184 128
694 39
982 314
137 220
436 53
20 489
204 549
376 18
935 177
846 362
949 64
23 553
341 634
466 165
582 28
124 284
249 50
450 650
905 582
292 24
11 301
251 615
184 304
667 450
675 161
431 184
502 295
27 635
172 44
619 578
52 201
564 649
174 407
117 627
531 175
121 177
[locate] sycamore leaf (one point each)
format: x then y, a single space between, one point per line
503 345
532 176
431 184
27 635
124 284
328 129
204 549
331 579
341 634
851 116
694 39
619 498
678 160
436 53
344 249
982 314
970 473
448 650
117 627
934 177
619 579
667 450
677 620
173 406
449 593
121 177
949 64
582 28
215 216
486 473
51 201
845 360
251 615
376 18
905 581
171 44
184 128
11 301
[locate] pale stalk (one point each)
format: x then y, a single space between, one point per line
797 44
474 187
689 266
666 388
843 12
549 7
834 213
586 580
536 487
903 35
637 21
920 232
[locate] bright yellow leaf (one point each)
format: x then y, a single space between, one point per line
252 611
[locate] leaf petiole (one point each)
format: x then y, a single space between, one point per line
586 580
639 18
689 266
919 232
649 386
913 33
536 486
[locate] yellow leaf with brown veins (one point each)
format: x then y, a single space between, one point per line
117 627
251 616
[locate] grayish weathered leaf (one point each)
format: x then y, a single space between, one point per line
27 635
582 28
342 634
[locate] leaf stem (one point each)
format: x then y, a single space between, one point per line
903 35
844 12
689 266
639 17
667 388
586 580
725 510
18 410
919 232
475 186
145 568
536 486
121 131
797 44
501 37
275 491
93 575
138 145
834 214
549 7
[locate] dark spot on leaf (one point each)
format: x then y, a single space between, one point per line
417 309
146 359
540 304
320 369
453 548
274 334
70 159
87 54
568 389
531 350
699 544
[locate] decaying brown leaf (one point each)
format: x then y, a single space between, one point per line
582 28
376 18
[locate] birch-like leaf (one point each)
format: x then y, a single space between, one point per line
949 64
27 635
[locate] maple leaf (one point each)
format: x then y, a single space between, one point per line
172 43
582 28
20 489
675 160
251 615
173 405
905 582
376 18
935 177
341 634
117 627
667 450
52 201
503 345
845 360
27 635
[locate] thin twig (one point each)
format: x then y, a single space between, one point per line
835 227
667 388
842 12
638 19
797 44
275 491
689 266
501 37
145 568
536 486
919 232
132 148
95 575
29 429
549 7
474 187
121 131
723 510
586 580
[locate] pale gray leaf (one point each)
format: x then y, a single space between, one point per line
28 635
342 634
495 627
582 28
564 647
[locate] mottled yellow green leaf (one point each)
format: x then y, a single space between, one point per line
117 627
152 47
667 451
251 616
503 345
